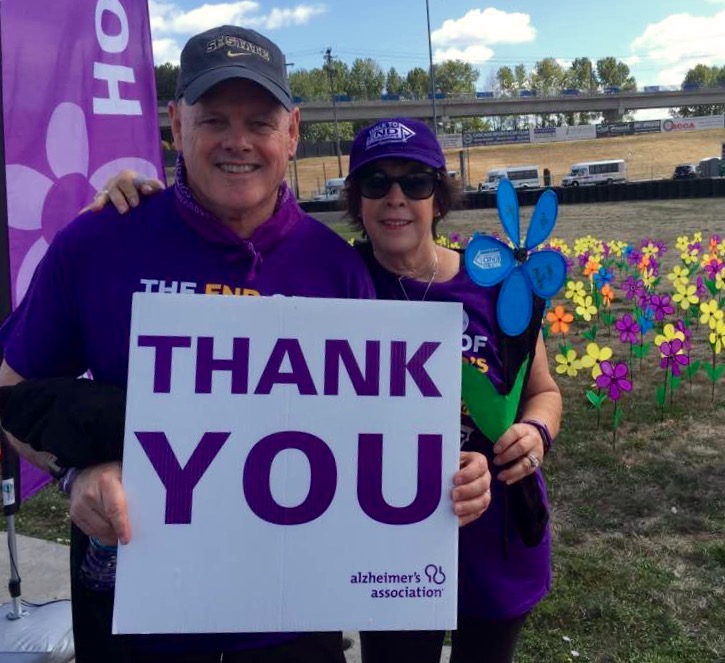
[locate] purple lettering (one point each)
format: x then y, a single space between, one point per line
300 374
400 366
323 478
162 363
180 483
339 351
370 480
206 364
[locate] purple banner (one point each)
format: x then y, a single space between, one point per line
79 105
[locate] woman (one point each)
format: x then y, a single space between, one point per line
398 190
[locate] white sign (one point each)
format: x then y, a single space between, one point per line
693 123
288 464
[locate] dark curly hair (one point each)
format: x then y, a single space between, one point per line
446 196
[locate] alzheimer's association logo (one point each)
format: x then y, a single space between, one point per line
40 204
389 131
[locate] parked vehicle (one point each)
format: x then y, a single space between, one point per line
710 167
685 171
522 177
596 172
333 189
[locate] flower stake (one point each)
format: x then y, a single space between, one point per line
614 380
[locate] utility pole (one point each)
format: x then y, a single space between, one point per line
432 72
331 75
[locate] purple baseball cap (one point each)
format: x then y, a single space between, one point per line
396 138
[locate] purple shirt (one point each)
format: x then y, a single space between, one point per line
491 585
77 312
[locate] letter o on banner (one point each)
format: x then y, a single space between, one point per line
111 43
256 477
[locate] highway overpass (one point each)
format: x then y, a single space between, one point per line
613 106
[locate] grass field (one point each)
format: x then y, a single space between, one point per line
639 527
651 156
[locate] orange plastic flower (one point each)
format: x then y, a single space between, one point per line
560 320
607 294
592 267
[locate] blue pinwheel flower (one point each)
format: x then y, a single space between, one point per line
490 261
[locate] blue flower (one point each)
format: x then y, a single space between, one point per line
490 261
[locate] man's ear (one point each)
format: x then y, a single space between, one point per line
294 131
175 112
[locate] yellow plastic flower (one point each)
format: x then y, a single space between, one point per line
594 357
685 296
683 241
585 308
648 278
689 257
710 313
574 289
720 280
616 247
669 333
679 276
650 250
568 364
697 237
717 337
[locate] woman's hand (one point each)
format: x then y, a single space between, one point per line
521 445
471 495
123 190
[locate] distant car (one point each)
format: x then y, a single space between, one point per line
685 171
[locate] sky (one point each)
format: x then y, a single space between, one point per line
659 39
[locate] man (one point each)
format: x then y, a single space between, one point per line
229 225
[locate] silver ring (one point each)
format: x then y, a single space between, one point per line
102 192
533 460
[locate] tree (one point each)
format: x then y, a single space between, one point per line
548 77
393 82
702 76
366 79
506 81
614 73
456 77
521 78
581 75
312 85
418 83
166 75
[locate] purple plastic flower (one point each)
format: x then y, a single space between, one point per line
455 237
661 306
633 288
672 355
614 378
713 268
634 257
681 326
628 328
700 287
583 258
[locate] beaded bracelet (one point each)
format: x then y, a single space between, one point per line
543 431
65 481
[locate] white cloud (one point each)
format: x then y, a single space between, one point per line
679 42
169 22
472 54
166 50
484 28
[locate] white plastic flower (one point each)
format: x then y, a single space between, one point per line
39 205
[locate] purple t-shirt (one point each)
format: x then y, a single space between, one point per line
491 585
76 314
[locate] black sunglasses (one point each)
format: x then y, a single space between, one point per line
416 186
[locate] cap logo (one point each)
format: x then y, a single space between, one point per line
237 47
388 132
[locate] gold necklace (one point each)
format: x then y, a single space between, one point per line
430 280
